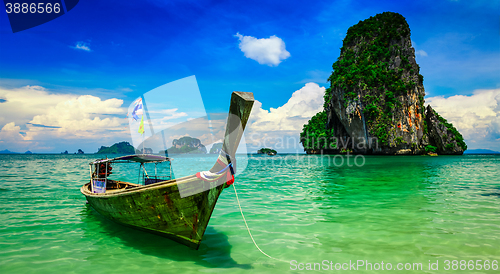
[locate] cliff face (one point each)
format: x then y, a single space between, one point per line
216 148
443 135
375 103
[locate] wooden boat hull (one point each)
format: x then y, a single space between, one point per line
159 209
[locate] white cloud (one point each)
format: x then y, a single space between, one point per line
82 46
47 119
81 114
477 116
10 132
267 51
280 127
22 104
165 114
420 53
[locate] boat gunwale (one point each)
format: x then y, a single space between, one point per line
169 183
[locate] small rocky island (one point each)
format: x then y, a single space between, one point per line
375 102
267 151
6 151
186 145
117 148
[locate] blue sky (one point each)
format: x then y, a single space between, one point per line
118 50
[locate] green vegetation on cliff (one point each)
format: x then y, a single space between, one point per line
314 134
458 137
365 63
368 66
430 148
118 148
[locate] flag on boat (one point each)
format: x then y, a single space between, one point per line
137 109
141 126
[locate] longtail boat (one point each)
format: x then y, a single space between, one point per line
178 209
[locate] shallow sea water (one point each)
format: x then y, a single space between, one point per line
307 208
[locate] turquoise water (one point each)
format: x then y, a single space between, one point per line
302 208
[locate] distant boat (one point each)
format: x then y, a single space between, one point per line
159 204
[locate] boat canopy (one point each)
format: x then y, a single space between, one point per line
139 158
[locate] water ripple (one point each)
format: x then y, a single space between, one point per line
304 208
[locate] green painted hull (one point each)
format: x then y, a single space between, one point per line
159 209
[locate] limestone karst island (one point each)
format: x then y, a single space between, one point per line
375 102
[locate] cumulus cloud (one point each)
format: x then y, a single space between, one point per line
10 132
13 139
81 113
476 116
82 46
267 51
22 104
280 127
50 118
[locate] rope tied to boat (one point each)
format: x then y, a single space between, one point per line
248 229
227 162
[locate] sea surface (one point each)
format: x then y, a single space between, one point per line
301 209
